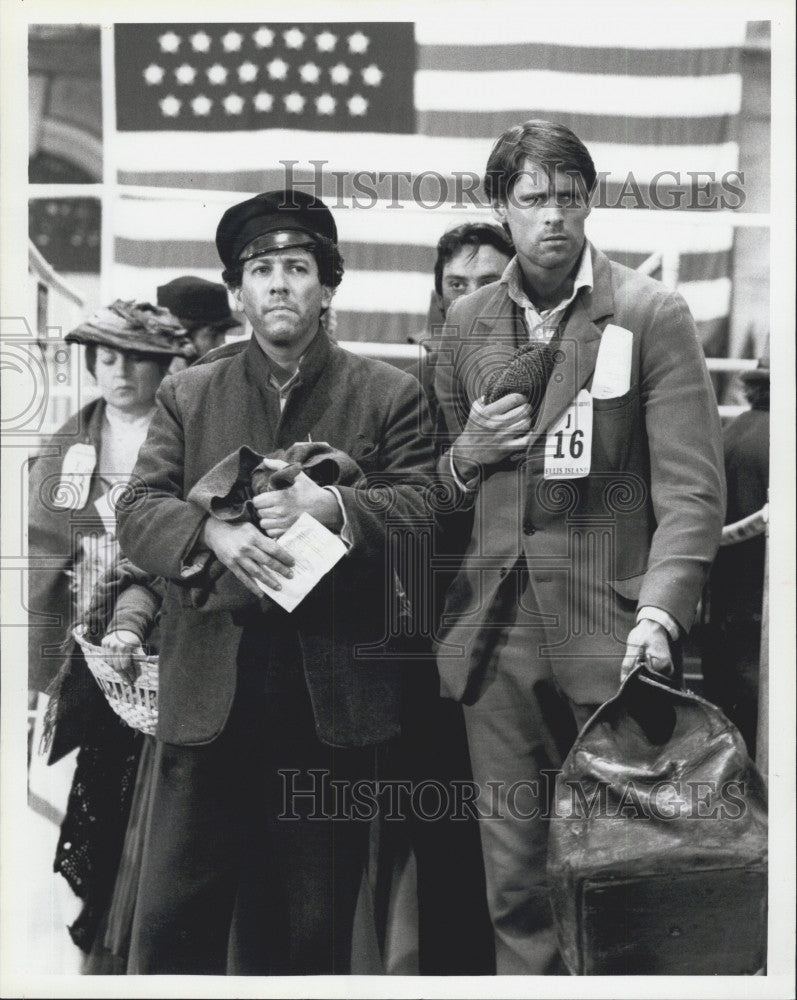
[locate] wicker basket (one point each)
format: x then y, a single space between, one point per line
136 704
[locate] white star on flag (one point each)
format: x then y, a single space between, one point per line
264 38
326 41
357 105
170 106
233 104
294 103
372 76
358 42
201 105
309 73
340 73
169 42
325 104
153 74
200 42
294 38
231 41
277 69
185 74
247 72
263 101
217 73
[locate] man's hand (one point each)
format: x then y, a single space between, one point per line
493 432
650 638
248 553
119 651
278 509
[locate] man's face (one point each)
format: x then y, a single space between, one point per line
470 268
546 218
282 298
205 338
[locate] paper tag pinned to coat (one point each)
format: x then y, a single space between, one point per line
105 508
612 376
316 550
568 444
77 469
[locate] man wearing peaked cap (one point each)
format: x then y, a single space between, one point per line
203 308
245 871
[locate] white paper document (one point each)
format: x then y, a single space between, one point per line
315 549
612 375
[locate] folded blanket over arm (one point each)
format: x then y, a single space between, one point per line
226 491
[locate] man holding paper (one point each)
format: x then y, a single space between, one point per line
278 674
583 429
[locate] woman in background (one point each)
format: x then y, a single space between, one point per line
74 485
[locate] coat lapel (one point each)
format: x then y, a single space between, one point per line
578 346
493 338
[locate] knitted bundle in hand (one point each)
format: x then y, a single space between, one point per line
527 372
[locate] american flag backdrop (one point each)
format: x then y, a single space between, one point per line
392 122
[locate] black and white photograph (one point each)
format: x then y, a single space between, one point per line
398 575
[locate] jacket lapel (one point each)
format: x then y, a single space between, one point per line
494 336
578 346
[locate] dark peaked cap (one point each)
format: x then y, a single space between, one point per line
197 300
273 211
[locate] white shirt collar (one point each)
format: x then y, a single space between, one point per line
512 278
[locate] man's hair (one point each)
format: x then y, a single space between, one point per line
327 257
164 360
470 234
554 147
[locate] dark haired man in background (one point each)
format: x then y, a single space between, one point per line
237 877
469 256
598 499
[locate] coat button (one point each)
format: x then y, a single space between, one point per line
502 572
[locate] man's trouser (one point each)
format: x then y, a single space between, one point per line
518 733
243 873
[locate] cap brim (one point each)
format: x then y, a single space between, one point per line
280 239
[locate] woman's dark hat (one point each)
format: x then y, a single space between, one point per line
196 301
275 220
135 326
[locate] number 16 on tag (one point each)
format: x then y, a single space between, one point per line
568 444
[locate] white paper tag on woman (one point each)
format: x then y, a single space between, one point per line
105 508
316 550
77 469
568 444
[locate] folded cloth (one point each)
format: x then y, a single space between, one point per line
527 372
226 492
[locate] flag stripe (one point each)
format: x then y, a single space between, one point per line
563 92
187 255
648 31
700 130
141 218
383 291
198 153
661 62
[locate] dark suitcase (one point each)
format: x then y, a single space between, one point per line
657 855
